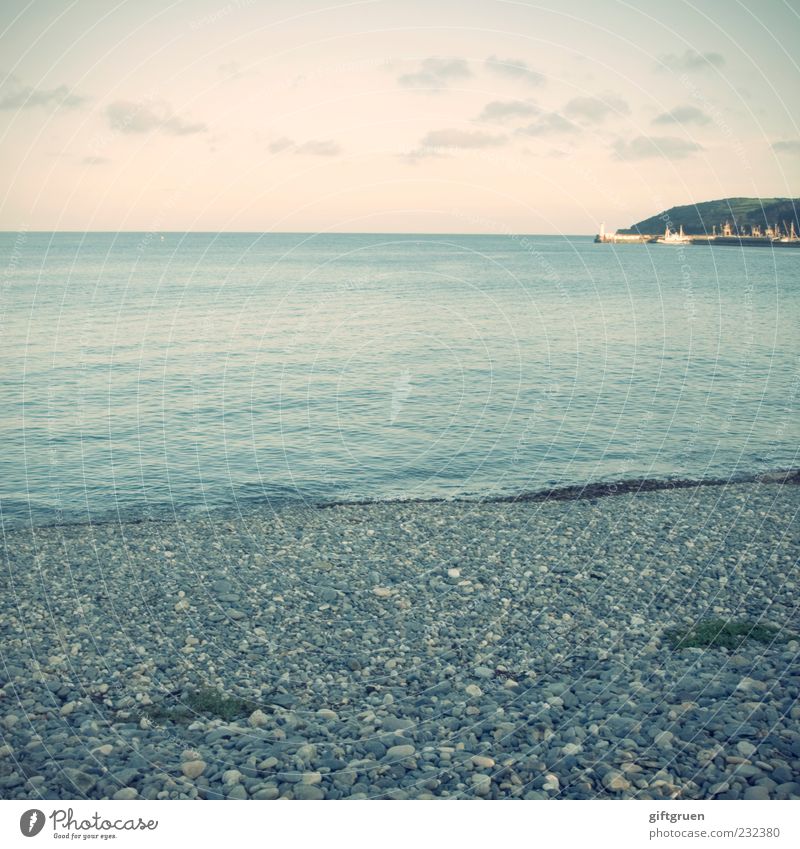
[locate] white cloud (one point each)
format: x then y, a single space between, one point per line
550 124
315 147
461 139
594 110
645 147
791 146
498 111
148 116
691 60
439 143
514 69
683 115
436 72
14 95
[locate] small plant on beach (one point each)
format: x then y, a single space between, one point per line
211 702
722 633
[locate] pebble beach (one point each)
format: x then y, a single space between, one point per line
510 650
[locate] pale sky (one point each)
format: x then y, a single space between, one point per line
382 115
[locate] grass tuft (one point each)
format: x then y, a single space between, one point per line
203 702
211 702
722 633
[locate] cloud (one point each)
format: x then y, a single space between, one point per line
14 95
645 147
439 143
461 139
549 124
315 147
683 115
144 117
501 110
96 160
436 73
283 143
515 69
792 146
594 110
691 60
231 71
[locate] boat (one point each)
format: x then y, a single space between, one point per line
672 238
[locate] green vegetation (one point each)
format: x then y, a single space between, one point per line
203 702
211 702
723 633
699 219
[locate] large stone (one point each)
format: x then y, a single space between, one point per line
193 769
307 752
481 784
394 723
405 750
258 719
757 792
268 791
745 748
82 781
663 739
615 781
126 793
327 713
308 792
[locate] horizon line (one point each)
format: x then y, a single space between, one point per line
22 230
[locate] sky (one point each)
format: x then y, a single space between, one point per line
496 116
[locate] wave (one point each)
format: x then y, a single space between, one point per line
286 498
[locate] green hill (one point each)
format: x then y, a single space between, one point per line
698 219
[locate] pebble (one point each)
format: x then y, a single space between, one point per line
553 676
126 793
615 781
757 792
308 792
258 719
746 749
326 713
268 791
481 784
193 769
404 750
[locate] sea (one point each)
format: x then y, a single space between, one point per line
149 375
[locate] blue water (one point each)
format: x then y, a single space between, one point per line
143 374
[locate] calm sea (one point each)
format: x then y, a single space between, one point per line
144 374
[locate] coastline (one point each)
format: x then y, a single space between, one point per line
566 492
513 648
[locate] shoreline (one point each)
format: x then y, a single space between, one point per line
497 650
567 492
